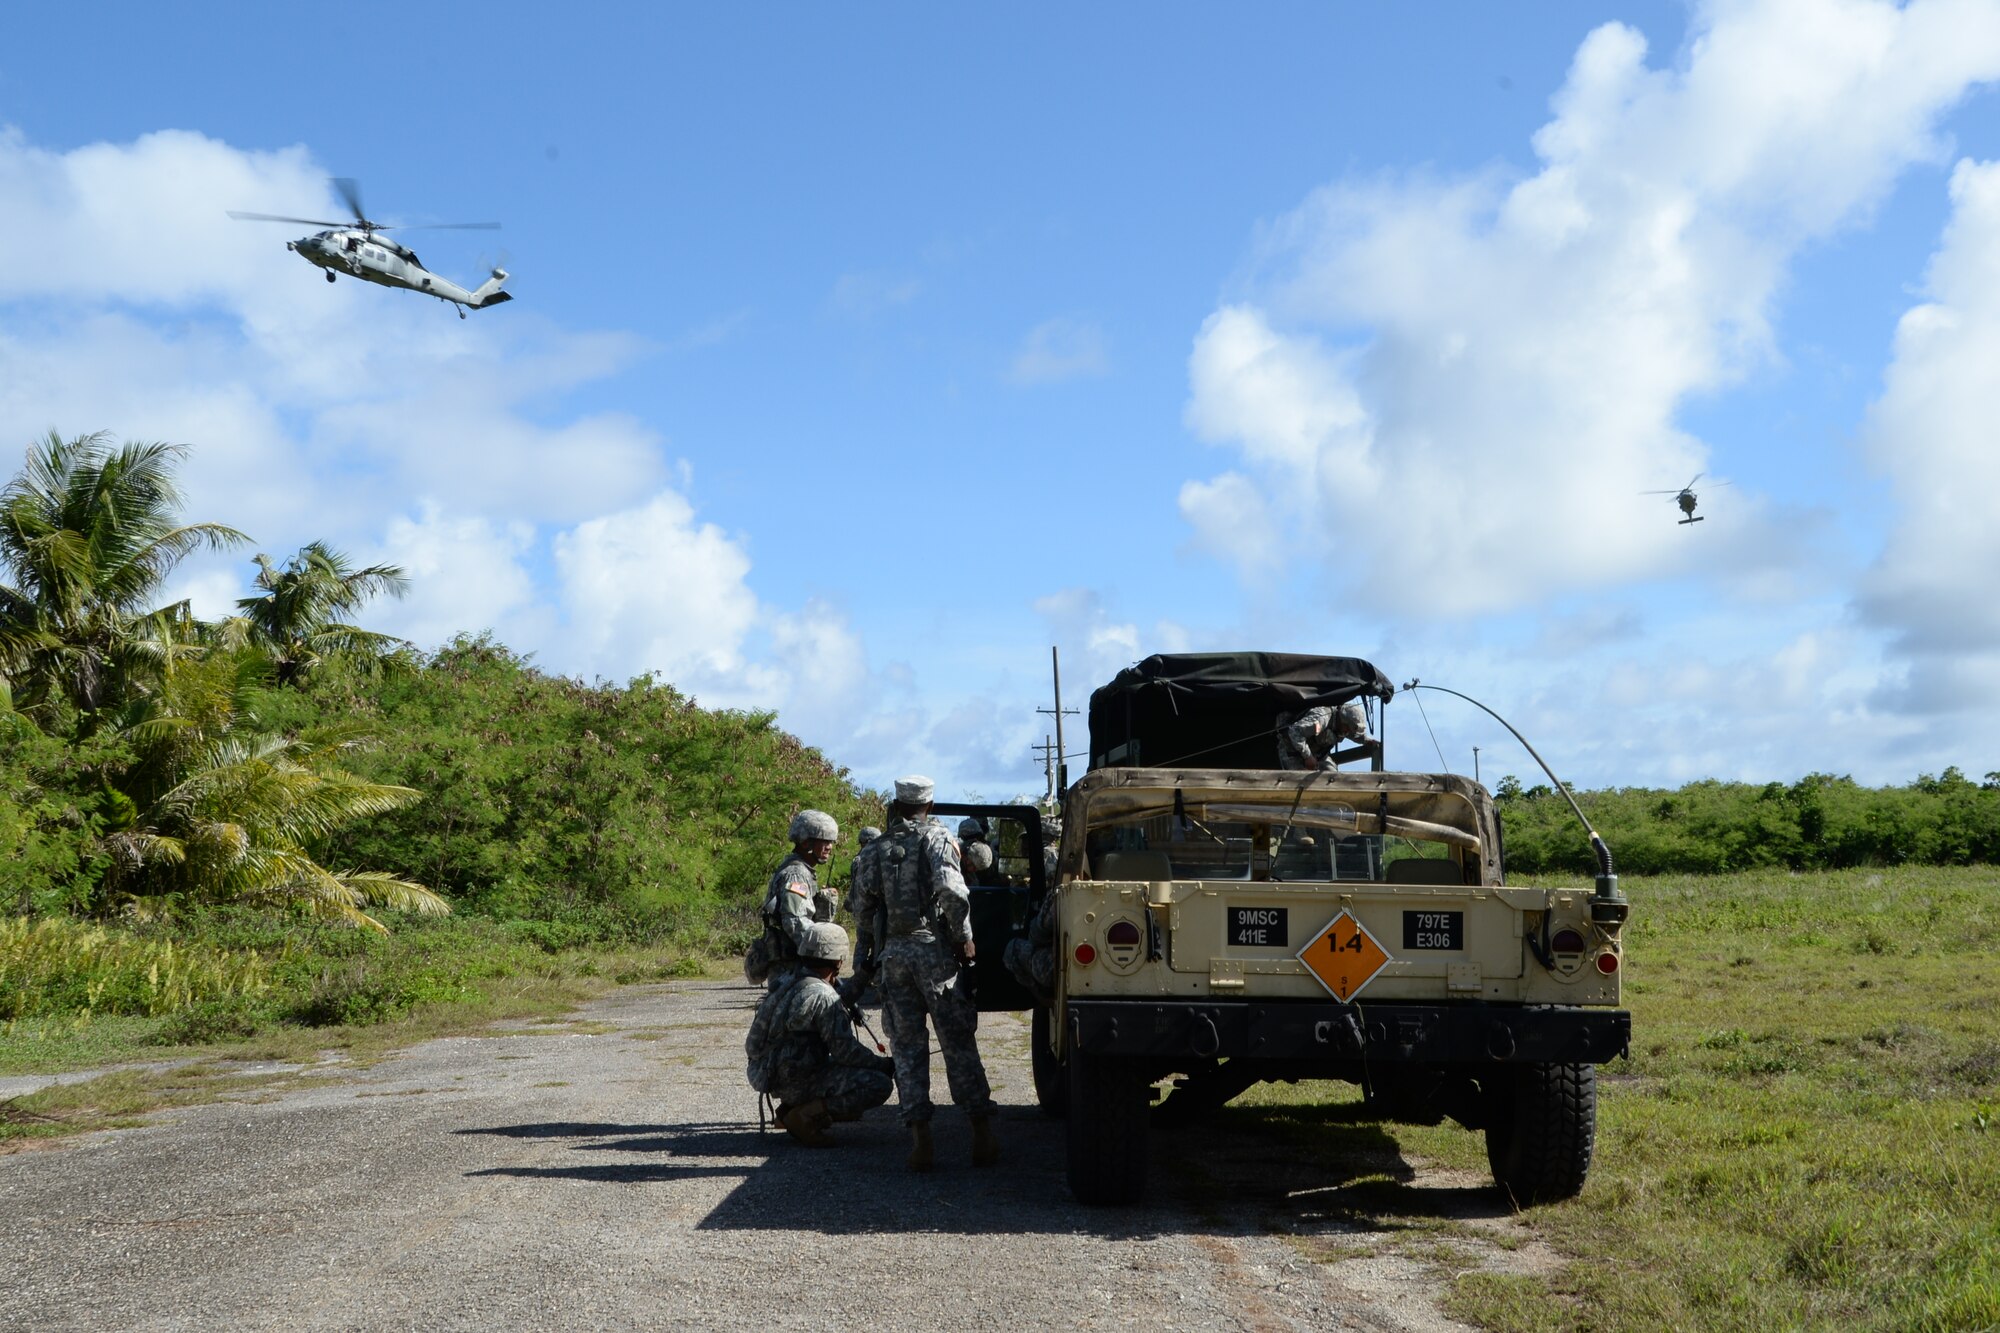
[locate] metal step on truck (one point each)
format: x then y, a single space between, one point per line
1218 920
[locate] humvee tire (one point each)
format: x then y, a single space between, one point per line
1109 1106
1541 1127
1051 1076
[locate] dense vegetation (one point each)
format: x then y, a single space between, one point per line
1817 823
180 800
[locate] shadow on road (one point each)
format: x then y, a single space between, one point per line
1312 1170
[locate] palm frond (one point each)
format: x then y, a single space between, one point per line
386 890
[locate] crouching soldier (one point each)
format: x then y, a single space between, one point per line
803 1050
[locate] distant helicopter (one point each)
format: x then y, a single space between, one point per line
359 250
1685 498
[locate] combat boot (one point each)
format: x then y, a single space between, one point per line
921 1155
807 1123
985 1145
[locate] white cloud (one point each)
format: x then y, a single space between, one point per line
1932 434
1233 519
1096 645
1064 348
652 588
1525 347
467 576
145 222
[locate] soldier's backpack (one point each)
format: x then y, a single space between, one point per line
757 961
769 951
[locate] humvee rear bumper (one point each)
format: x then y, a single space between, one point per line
1470 1033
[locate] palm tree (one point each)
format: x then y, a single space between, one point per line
295 616
229 811
88 534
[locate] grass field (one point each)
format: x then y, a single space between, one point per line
1806 1134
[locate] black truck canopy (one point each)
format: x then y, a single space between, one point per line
1216 710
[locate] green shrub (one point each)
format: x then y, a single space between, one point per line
211 1021
610 813
53 965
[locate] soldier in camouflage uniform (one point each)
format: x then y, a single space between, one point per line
914 919
1033 960
795 899
1310 739
802 1049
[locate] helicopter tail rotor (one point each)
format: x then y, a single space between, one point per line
488 293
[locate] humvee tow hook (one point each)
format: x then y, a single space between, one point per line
1344 1034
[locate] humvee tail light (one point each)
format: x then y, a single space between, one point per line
1121 946
1086 953
1607 963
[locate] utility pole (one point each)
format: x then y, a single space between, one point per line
1061 768
1047 749
1475 763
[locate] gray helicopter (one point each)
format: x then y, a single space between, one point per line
1686 499
359 250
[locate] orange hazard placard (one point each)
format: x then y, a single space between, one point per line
1344 956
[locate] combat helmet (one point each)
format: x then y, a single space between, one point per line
814 825
824 942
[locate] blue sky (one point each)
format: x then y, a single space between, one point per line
859 355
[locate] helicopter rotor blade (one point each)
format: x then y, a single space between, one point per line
273 217
350 194
1672 492
443 226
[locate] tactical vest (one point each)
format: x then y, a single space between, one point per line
908 900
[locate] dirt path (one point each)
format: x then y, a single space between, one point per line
610 1174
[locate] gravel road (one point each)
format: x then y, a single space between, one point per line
609 1173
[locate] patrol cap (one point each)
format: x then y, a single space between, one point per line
824 942
869 833
915 790
979 856
810 825
971 828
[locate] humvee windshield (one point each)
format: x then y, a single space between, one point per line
1320 836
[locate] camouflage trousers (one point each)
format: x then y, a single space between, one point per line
1033 967
846 1089
919 982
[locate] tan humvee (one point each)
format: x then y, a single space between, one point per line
1235 925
